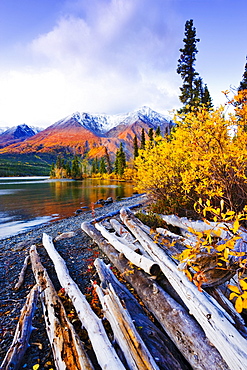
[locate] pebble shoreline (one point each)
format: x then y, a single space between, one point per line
79 252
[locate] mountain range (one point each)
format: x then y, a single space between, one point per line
83 134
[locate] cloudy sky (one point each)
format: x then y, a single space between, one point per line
111 56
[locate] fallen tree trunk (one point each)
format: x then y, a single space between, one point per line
188 242
103 349
126 236
146 264
178 324
219 229
158 343
216 323
13 358
66 346
22 274
228 306
113 213
135 352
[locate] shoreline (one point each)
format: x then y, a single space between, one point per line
85 215
79 253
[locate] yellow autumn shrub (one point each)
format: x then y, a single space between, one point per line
205 157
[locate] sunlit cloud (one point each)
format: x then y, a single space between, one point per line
109 57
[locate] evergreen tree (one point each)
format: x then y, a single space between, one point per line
157 131
186 67
193 93
206 99
76 168
120 162
68 170
59 162
95 165
143 140
202 95
243 83
102 166
108 162
52 172
135 147
151 134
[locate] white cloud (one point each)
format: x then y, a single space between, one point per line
111 56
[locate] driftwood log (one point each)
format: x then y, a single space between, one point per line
146 264
214 320
13 358
180 326
222 229
134 349
228 306
159 345
66 346
127 237
104 351
22 274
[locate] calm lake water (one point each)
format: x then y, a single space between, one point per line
30 201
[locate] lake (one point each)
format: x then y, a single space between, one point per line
30 201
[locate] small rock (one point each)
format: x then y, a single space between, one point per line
109 200
100 201
69 234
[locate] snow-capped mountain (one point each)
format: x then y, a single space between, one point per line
87 134
36 130
16 134
3 129
102 123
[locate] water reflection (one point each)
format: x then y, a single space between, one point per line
26 202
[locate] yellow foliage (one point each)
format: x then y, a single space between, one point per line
129 174
201 160
214 253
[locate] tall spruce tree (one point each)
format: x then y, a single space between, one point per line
158 131
102 166
243 83
193 93
186 62
143 140
206 98
108 162
120 162
76 172
135 147
151 134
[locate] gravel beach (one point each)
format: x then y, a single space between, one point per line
79 253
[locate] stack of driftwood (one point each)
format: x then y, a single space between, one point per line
188 328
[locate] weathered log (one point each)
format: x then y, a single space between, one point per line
113 213
104 351
156 341
228 306
206 262
180 326
66 235
23 331
126 236
135 352
123 234
146 264
22 274
214 320
68 351
178 238
219 229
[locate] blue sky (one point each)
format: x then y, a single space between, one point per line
111 56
